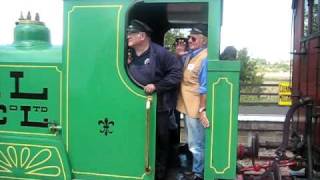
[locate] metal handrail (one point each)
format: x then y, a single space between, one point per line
147 167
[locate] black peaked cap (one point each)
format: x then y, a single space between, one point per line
200 29
138 26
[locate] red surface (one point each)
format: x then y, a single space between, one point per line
306 68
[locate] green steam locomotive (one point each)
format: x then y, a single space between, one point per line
73 112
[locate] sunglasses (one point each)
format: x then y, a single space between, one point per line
193 39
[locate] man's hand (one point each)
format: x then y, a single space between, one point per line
204 120
149 88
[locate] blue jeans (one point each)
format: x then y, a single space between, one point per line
195 136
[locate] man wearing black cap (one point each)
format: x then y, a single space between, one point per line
192 96
157 70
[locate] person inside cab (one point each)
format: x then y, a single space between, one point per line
157 71
192 96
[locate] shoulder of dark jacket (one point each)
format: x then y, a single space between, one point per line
157 48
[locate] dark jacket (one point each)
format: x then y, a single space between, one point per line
166 73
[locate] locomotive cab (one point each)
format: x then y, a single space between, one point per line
119 117
161 17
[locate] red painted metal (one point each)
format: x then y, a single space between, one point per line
268 164
306 68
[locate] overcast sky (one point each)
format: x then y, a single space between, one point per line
261 26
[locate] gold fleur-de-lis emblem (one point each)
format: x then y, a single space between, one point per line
12 161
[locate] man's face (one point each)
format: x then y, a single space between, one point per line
195 41
134 38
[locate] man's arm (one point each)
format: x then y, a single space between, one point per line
203 115
172 68
203 92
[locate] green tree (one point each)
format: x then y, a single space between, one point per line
280 66
249 75
170 38
249 69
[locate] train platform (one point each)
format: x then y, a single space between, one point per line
262 117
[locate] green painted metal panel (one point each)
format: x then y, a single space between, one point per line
30 103
222 102
36 54
214 28
30 100
101 98
221 138
30 157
